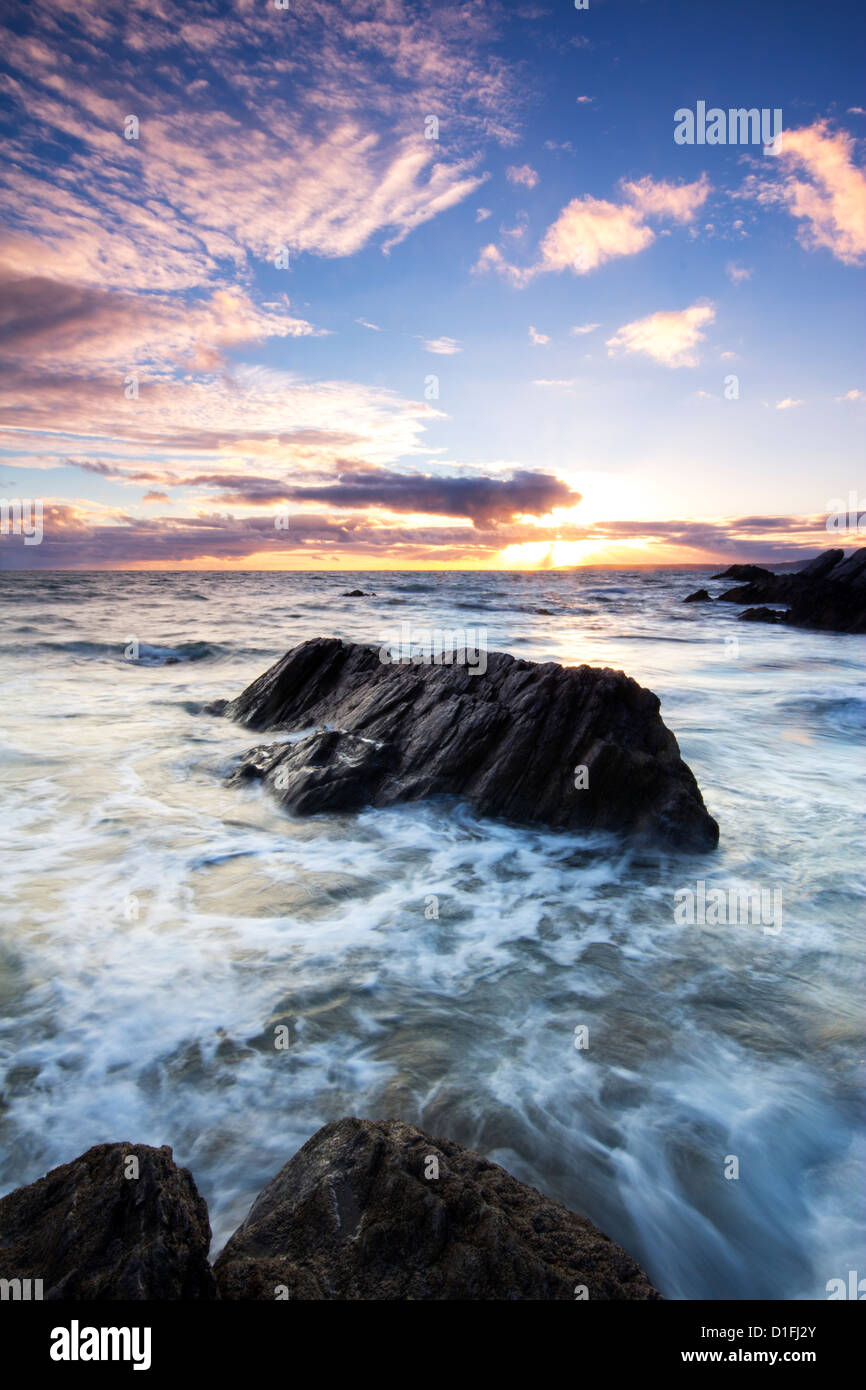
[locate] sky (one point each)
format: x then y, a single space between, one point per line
390 285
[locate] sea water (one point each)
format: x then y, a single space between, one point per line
695 1089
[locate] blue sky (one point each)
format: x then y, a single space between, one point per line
582 288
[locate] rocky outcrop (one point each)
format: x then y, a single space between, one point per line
104 1227
699 596
828 594
383 1211
743 573
512 741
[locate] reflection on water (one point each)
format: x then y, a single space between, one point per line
159 925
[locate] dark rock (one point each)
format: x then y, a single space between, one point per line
776 588
89 1232
744 573
699 596
828 594
508 740
822 564
357 593
762 615
352 1216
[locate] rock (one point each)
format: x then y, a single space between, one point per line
357 593
89 1232
822 564
216 707
353 1216
744 573
762 615
776 588
508 740
699 596
828 594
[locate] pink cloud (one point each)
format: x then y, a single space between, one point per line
671 337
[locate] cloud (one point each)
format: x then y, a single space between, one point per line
855 395
561 383
522 174
490 258
820 185
51 322
486 500
737 273
584 101
580 328
156 497
299 130
227 421
445 347
481 214
787 404
669 336
74 539
679 202
536 338
365 324
591 231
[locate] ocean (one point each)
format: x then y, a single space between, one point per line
527 993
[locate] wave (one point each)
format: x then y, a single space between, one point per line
144 654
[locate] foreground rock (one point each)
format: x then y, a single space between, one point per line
828 594
699 596
353 1216
90 1232
508 740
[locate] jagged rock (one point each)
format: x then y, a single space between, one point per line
699 596
90 1232
828 594
509 741
357 593
354 1216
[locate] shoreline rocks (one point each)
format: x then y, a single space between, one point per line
121 1221
364 1210
510 740
828 594
385 1211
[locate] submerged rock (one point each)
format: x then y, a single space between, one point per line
699 596
565 747
91 1230
383 1211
